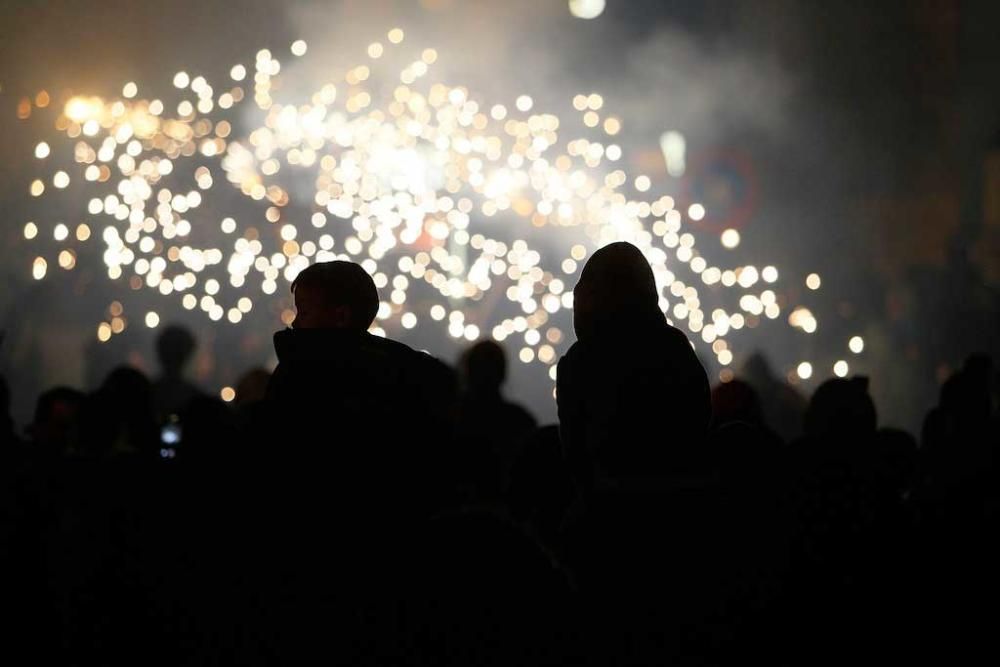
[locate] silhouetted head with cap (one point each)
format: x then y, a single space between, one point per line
334 295
616 293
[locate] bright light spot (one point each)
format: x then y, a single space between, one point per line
395 35
586 9
60 180
238 73
181 80
672 146
840 369
42 150
769 274
696 212
748 276
81 109
813 281
30 230
60 232
130 90
408 320
103 332
642 183
730 238
804 370
152 319
227 394
524 103
299 47
856 344
38 268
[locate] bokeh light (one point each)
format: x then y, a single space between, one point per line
473 217
586 9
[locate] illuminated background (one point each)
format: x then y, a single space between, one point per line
835 161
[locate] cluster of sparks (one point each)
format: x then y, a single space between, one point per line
436 194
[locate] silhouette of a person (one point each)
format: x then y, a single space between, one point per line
117 419
348 447
53 430
633 399
8 438
488 423
634 408
782 407
344 395
171 391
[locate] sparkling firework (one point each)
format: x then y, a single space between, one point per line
448 202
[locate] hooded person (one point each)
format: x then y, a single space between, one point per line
642 536
633 398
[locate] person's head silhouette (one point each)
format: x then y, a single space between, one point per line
616 292
485 367
841 408
174 347
334 295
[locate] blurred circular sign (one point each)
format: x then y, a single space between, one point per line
725 182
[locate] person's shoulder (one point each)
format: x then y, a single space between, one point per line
390 347
401 355
572 354
675 335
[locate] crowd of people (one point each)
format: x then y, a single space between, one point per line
367 503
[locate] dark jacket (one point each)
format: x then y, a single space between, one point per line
355 404
356 381
634 404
